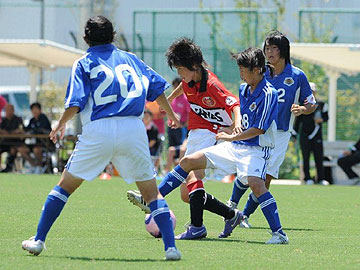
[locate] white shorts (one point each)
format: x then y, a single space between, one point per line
120 140
236 158
278 154
199 139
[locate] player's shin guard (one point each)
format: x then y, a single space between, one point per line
160 212
270 210
215 206
251 205
51 210
238 191
197 199
172 180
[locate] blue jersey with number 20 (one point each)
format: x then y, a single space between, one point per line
108 82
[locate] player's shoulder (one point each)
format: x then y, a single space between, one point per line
297 71
214 83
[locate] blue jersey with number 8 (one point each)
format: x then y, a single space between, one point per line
259 110
108 82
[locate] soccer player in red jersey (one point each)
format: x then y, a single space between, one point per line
211 108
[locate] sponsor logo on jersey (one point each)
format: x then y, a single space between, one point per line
252 106
288 81
208 101
230 100
215 116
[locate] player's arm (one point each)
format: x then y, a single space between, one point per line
308 108
247 134
164 104
61 125
178 91
236 126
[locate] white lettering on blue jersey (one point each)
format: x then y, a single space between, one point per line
293 87
108 82
259 110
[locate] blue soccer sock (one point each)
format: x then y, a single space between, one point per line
172 180
270 211
160 212
51 210
251 205
238 191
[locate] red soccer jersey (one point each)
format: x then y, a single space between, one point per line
210 109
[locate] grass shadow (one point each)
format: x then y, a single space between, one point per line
233 240
285 229
106 259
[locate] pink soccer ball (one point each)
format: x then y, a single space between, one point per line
152 227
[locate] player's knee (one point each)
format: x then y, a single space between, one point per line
257 186
185 197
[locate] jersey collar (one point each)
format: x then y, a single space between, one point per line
259 88
99 48
287 70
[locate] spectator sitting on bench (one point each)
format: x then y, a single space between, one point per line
10 124
39 124
350 158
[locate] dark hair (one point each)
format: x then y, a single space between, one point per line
184 52
98 31
281 41
35 104
176 81
251 58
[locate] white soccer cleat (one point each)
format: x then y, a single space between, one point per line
245 223
231 204
278 238
32 246
136 198
172 254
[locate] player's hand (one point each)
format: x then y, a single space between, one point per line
58 128
224 136
175 123
296 109
237 130
346 153
225 129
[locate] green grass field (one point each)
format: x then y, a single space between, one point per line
100 229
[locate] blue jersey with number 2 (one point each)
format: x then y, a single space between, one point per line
293 88
108 82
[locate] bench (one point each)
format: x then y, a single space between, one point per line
333 150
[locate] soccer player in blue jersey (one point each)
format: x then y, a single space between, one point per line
108 87
245 153
293 89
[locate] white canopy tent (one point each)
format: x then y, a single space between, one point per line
36 54
336 59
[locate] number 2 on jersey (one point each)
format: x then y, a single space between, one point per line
109 78
281 94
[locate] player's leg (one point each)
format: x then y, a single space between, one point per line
52 208
170 158
238 191
92 153
269 209
132 159
178 175
161 215
199 200
272 171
